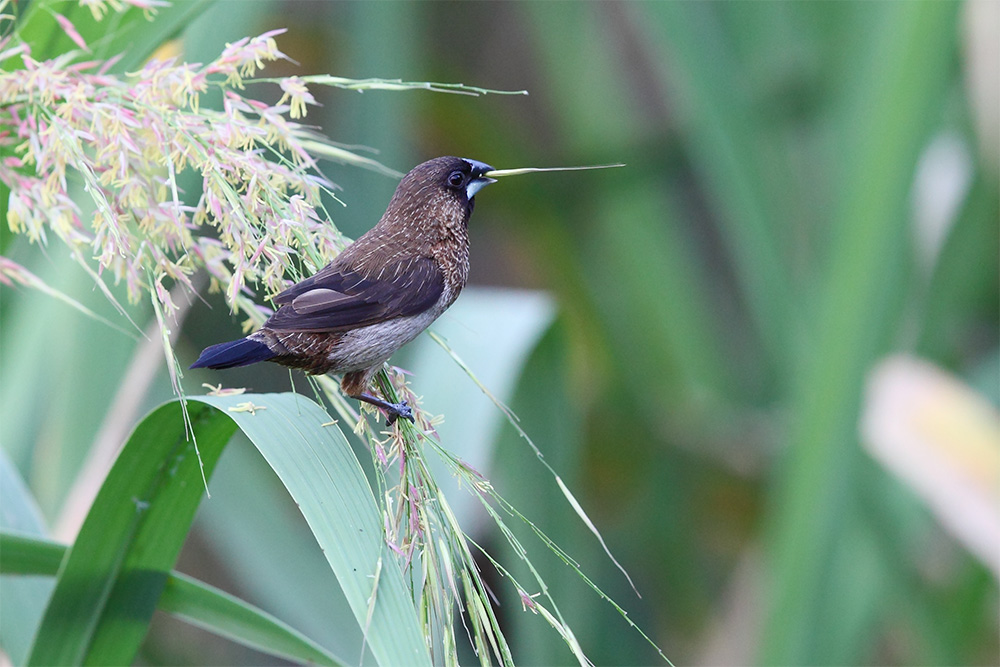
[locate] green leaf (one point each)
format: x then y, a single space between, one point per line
221 613
110 582
196 602
493 331
887 121
684 349
129 32
541 393
22 599
115 573
25 554
963 284
726 139
47 427
253 527
317 466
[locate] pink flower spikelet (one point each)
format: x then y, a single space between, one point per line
130 141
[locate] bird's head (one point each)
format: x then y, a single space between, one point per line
441 192
460 177
443 189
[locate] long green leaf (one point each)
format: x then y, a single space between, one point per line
22 600
270 555
317 466
887 122
725 133
540 393
25 554
221 613
594 259
130 32
109 584
196 602
47 427
115 573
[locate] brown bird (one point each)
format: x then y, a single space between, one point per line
380 292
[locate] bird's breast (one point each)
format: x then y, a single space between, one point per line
372 345
452 254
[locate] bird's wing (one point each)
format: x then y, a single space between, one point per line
340 298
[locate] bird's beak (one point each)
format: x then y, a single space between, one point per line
479 181
477 184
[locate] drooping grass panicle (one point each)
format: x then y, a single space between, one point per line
442 560
129 142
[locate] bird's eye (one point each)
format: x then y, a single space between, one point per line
456 179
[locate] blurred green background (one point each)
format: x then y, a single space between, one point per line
810 186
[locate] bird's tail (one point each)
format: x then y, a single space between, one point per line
240 352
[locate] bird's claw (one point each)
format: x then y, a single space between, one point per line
393 411
397 410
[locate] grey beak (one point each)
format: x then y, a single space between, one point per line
478 181
477 184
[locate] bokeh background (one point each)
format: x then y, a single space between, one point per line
811 188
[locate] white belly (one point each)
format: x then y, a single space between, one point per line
374 344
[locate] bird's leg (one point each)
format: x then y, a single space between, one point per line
393 410
355 384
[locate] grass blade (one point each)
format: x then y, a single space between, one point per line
128 32
22 599
109 584
221 613
271 555
317 466
884 126
115 573
194 601
500 173
26 554
724 130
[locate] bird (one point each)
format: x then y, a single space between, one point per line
379 293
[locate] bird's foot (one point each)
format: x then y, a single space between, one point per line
393 410
396 410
